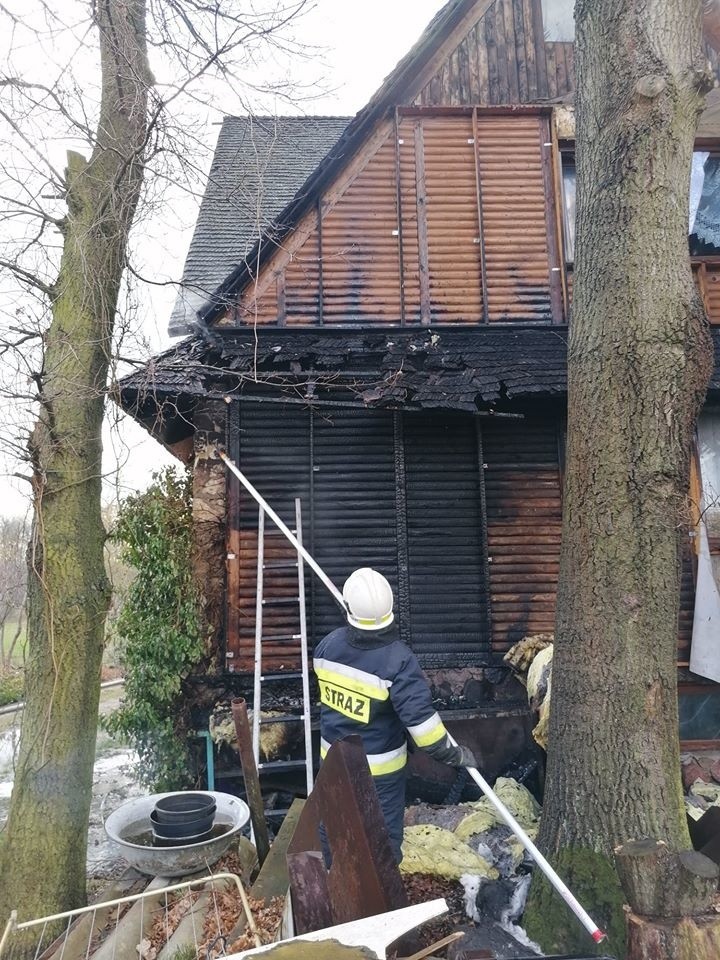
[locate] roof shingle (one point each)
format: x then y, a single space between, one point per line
260 165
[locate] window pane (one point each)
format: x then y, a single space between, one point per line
569 195
699 716
558 20
705 206
709 437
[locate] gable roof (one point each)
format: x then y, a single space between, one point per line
202 302
260 163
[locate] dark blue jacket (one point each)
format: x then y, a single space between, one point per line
371 684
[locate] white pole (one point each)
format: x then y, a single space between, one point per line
284 529
582 915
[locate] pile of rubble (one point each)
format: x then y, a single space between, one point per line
701 780
469 845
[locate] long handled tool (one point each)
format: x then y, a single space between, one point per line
582 915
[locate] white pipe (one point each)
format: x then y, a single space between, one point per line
18 707
284 529
582 915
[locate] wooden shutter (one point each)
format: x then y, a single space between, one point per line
524 523
272 445
442 266
519 218
447 580
354 515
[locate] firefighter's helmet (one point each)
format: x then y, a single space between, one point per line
369 600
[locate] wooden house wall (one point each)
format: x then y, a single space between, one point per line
503 59
463 515
443 222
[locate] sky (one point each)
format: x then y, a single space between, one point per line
352 49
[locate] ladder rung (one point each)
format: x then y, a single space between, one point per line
281 601
281 765
280 566
286 718
281 637
281 676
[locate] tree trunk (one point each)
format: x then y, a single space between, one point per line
691 938
42 858
639 362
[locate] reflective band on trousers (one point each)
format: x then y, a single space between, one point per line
352 679
429 732
380 763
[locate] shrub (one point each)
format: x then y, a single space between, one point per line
12 683
158 628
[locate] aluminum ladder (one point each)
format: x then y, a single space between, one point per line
260 678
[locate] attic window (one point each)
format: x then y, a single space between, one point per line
559 20
704 227
705 205
569 208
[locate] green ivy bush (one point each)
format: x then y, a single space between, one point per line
158 628
11 686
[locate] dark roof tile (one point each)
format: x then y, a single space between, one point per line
260 165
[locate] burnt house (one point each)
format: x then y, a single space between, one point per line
376 314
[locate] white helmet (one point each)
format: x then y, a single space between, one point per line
369 600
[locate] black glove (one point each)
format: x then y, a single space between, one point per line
466 758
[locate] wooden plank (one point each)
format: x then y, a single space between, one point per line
483 96
281 300
274 879
423 249
520 59
511 51
473 67
492 55
561 66
551 65
543 90
553 223
529 56
502 63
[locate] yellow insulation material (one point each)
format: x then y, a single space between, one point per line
432 850
518 800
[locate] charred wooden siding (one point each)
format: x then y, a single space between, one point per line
503 59
451 218
400 492
463 515
519 226
524 524
707 275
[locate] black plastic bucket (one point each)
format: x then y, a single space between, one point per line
179 807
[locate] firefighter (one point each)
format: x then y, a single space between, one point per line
371 684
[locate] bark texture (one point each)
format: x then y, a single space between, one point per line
639 362
42 858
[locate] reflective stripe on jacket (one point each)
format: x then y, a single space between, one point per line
372 685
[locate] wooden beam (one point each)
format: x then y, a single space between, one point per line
423 246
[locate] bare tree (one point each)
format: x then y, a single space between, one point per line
68 285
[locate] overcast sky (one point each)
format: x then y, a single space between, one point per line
357 46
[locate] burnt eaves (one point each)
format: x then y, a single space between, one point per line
440 368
